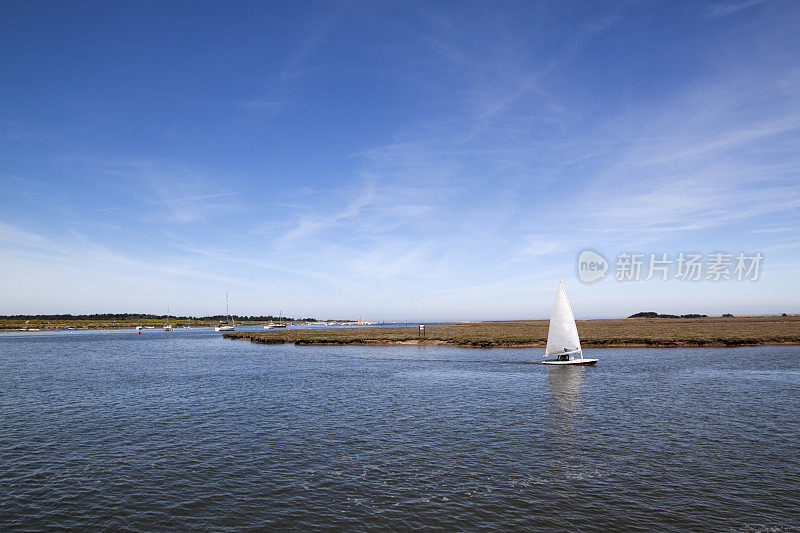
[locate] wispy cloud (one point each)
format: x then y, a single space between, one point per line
171 201
729 8
533 246
781 229
172 191
12 235
699 166
79 251
277 96
23 180
310 225
264 105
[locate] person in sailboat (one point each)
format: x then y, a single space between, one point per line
564 356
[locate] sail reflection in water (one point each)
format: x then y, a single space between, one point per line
564 384
567 463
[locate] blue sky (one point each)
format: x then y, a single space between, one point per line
394 160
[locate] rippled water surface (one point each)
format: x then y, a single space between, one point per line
187 430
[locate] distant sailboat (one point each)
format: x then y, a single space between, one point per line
229 325
167 325
562 337
273 325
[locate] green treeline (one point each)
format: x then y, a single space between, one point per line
135 316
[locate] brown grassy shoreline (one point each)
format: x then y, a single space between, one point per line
608 333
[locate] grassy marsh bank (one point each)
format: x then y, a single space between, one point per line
655 332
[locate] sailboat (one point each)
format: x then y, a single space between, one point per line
167 325
229 325
273 325
562 337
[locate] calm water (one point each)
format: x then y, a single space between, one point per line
187 430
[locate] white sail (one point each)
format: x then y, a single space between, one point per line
562 337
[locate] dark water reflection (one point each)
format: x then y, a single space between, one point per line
186 430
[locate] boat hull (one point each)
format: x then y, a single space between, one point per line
584 362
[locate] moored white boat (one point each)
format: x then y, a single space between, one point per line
167 325
275 325
562 336
229 325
